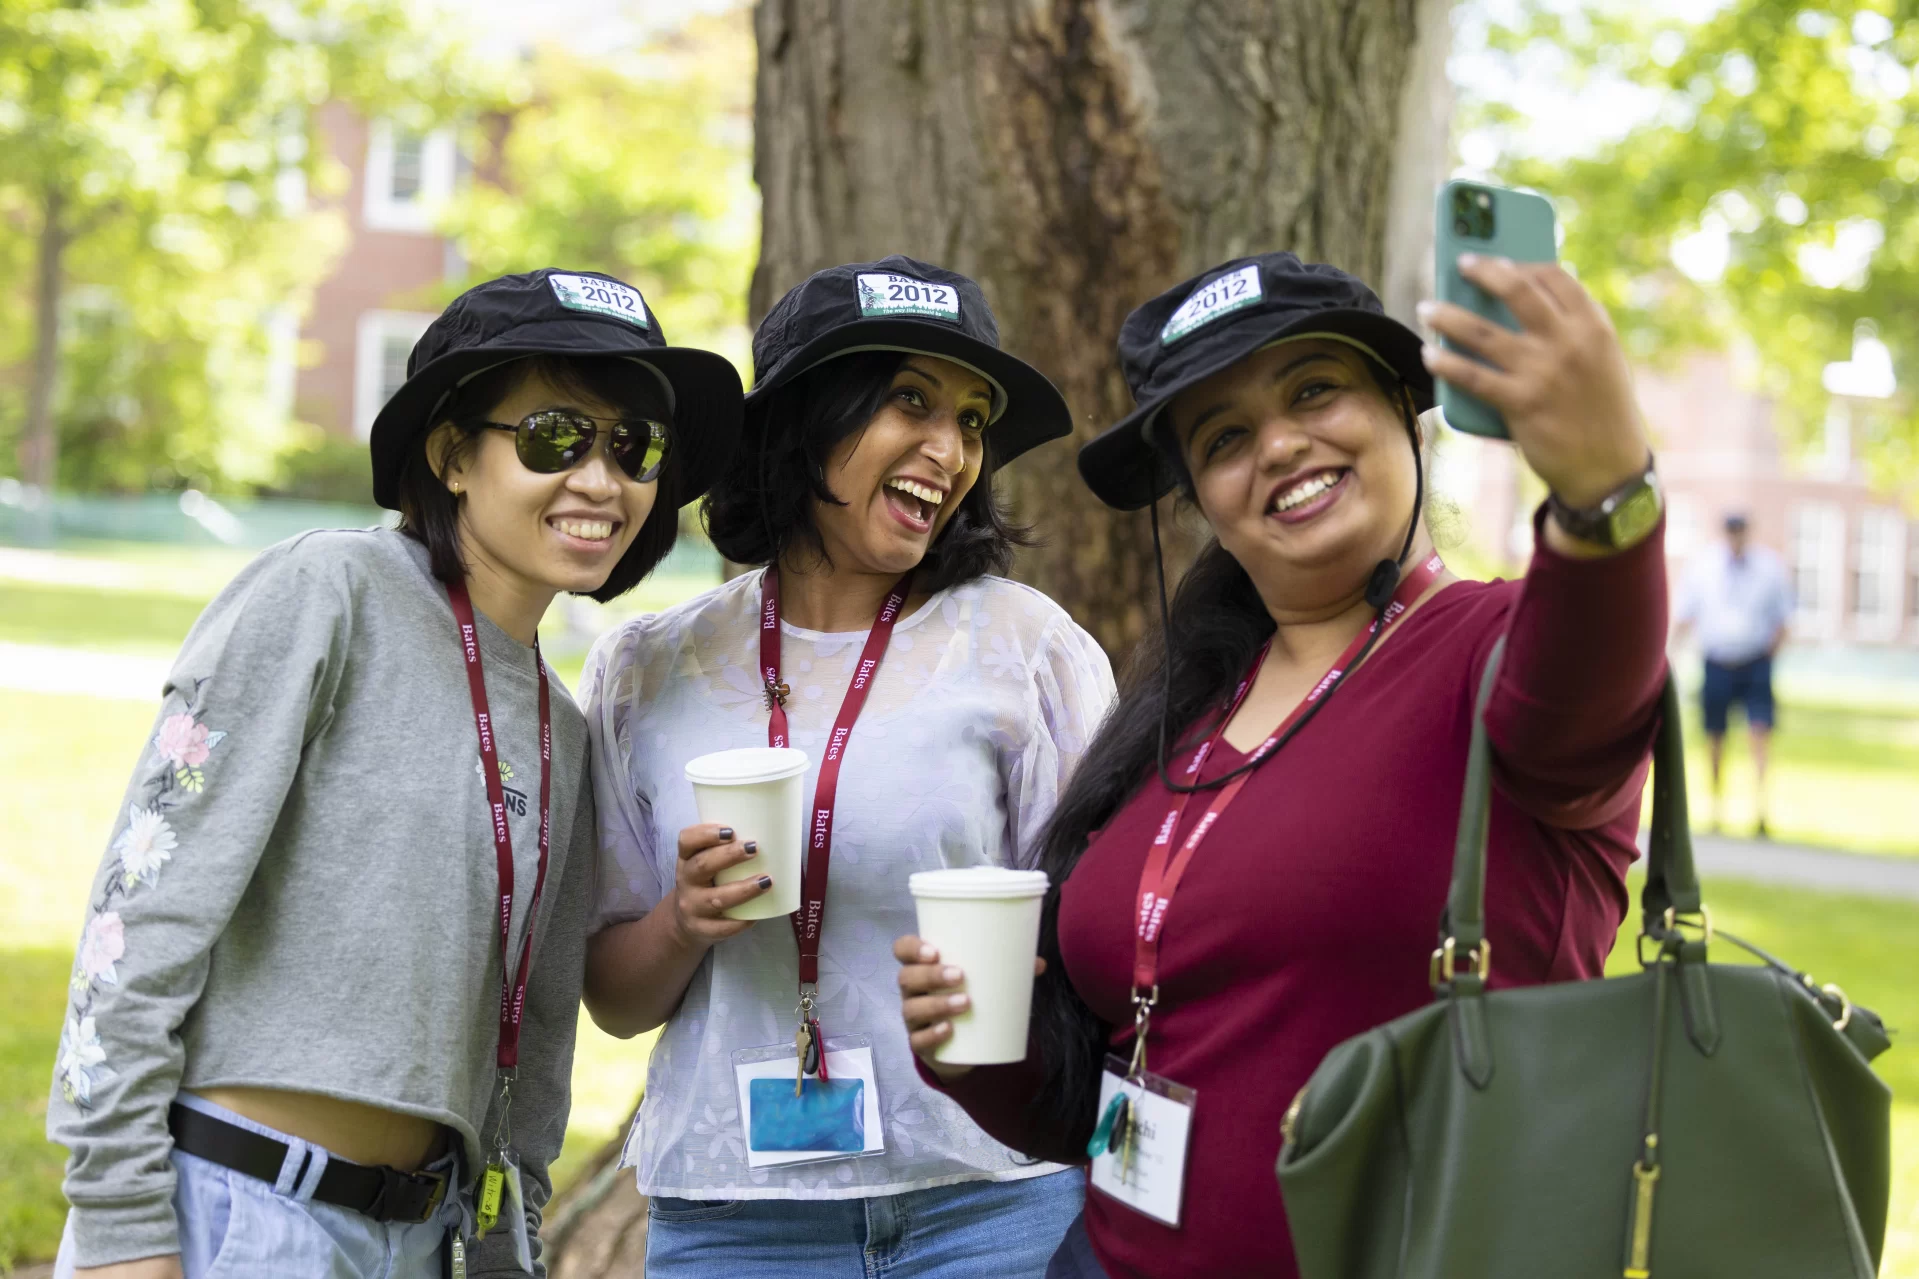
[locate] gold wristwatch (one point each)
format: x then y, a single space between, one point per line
1621 518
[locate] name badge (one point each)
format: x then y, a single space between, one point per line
1143 1164
790 1117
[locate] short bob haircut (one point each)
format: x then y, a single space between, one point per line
762 505
430 515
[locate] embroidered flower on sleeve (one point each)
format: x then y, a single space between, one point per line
82 1061
144 846
102 946
184 743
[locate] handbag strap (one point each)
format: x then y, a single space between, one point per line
1672 883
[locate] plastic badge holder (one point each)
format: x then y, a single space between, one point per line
833 1118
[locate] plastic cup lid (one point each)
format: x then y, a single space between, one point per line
977 881
746 765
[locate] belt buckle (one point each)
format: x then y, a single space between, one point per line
392 1181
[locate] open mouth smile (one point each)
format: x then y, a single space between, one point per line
913 503
1303 498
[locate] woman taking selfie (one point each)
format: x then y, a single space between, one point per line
341 925
1260 838
951 704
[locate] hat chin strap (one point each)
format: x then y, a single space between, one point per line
1385 579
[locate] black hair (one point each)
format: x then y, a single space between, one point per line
430 515
1216 624
762 504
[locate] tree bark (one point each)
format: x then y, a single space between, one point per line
1077 157
40 444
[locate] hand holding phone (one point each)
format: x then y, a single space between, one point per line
1557 377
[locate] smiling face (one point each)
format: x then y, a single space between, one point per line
902 476
558 532
1301 464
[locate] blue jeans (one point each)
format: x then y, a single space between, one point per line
233 1226
975 1230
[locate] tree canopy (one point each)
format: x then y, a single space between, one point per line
1767 196
154 156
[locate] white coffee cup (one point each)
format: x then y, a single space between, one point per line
985 919
759 792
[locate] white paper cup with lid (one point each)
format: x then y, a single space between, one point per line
985 919
759 792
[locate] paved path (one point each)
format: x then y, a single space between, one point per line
1866 875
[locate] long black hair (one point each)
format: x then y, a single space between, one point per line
1216 623
762 506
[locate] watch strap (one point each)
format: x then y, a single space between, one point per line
1620 518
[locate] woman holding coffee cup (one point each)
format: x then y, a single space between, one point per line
938 710
1236 898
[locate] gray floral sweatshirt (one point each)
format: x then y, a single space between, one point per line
299 892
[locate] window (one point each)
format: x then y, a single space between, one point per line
408 175
1877 566
385 340
1817 563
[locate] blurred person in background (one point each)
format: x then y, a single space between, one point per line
864 486
1736 601
342 925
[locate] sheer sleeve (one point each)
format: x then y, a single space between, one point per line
1072 684
628 882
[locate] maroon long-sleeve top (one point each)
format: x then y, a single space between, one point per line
1309 914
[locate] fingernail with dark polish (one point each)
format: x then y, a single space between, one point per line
726 834
766 881
752 847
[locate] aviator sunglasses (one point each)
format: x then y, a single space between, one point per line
555 440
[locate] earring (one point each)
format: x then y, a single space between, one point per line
454 488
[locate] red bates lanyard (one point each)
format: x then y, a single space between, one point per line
1159 878
819 844
512 985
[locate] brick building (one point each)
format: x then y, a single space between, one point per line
1852 550
366 315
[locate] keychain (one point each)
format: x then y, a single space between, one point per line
486 1211
802 1053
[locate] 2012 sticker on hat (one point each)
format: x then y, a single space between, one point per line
603 297
1213 300
883 293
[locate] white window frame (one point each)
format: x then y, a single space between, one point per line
439 161
1818 534
370 337
1879 553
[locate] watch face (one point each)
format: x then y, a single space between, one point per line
1633 518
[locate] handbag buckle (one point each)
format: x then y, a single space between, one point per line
1445 960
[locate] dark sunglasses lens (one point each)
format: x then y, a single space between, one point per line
640 448
553 441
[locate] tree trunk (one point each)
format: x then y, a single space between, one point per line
40 445
1077 157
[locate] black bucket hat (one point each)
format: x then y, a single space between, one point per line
901 304
565 313
1214 320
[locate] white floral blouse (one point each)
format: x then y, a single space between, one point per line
983 703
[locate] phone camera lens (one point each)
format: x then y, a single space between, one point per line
1462 226
1485 200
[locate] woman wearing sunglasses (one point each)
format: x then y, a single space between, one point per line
882 407
323 1012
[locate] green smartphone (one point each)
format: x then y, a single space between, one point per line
1473 217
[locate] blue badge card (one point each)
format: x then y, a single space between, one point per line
818 1114
833 1118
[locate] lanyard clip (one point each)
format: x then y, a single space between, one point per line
777 692
1142 1024
503 1128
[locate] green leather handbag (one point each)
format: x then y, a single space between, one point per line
1691 1121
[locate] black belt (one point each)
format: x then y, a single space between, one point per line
376 1191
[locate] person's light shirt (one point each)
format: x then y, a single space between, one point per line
1736 605
986 698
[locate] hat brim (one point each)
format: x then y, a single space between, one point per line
1126 470
1035 411
706 401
